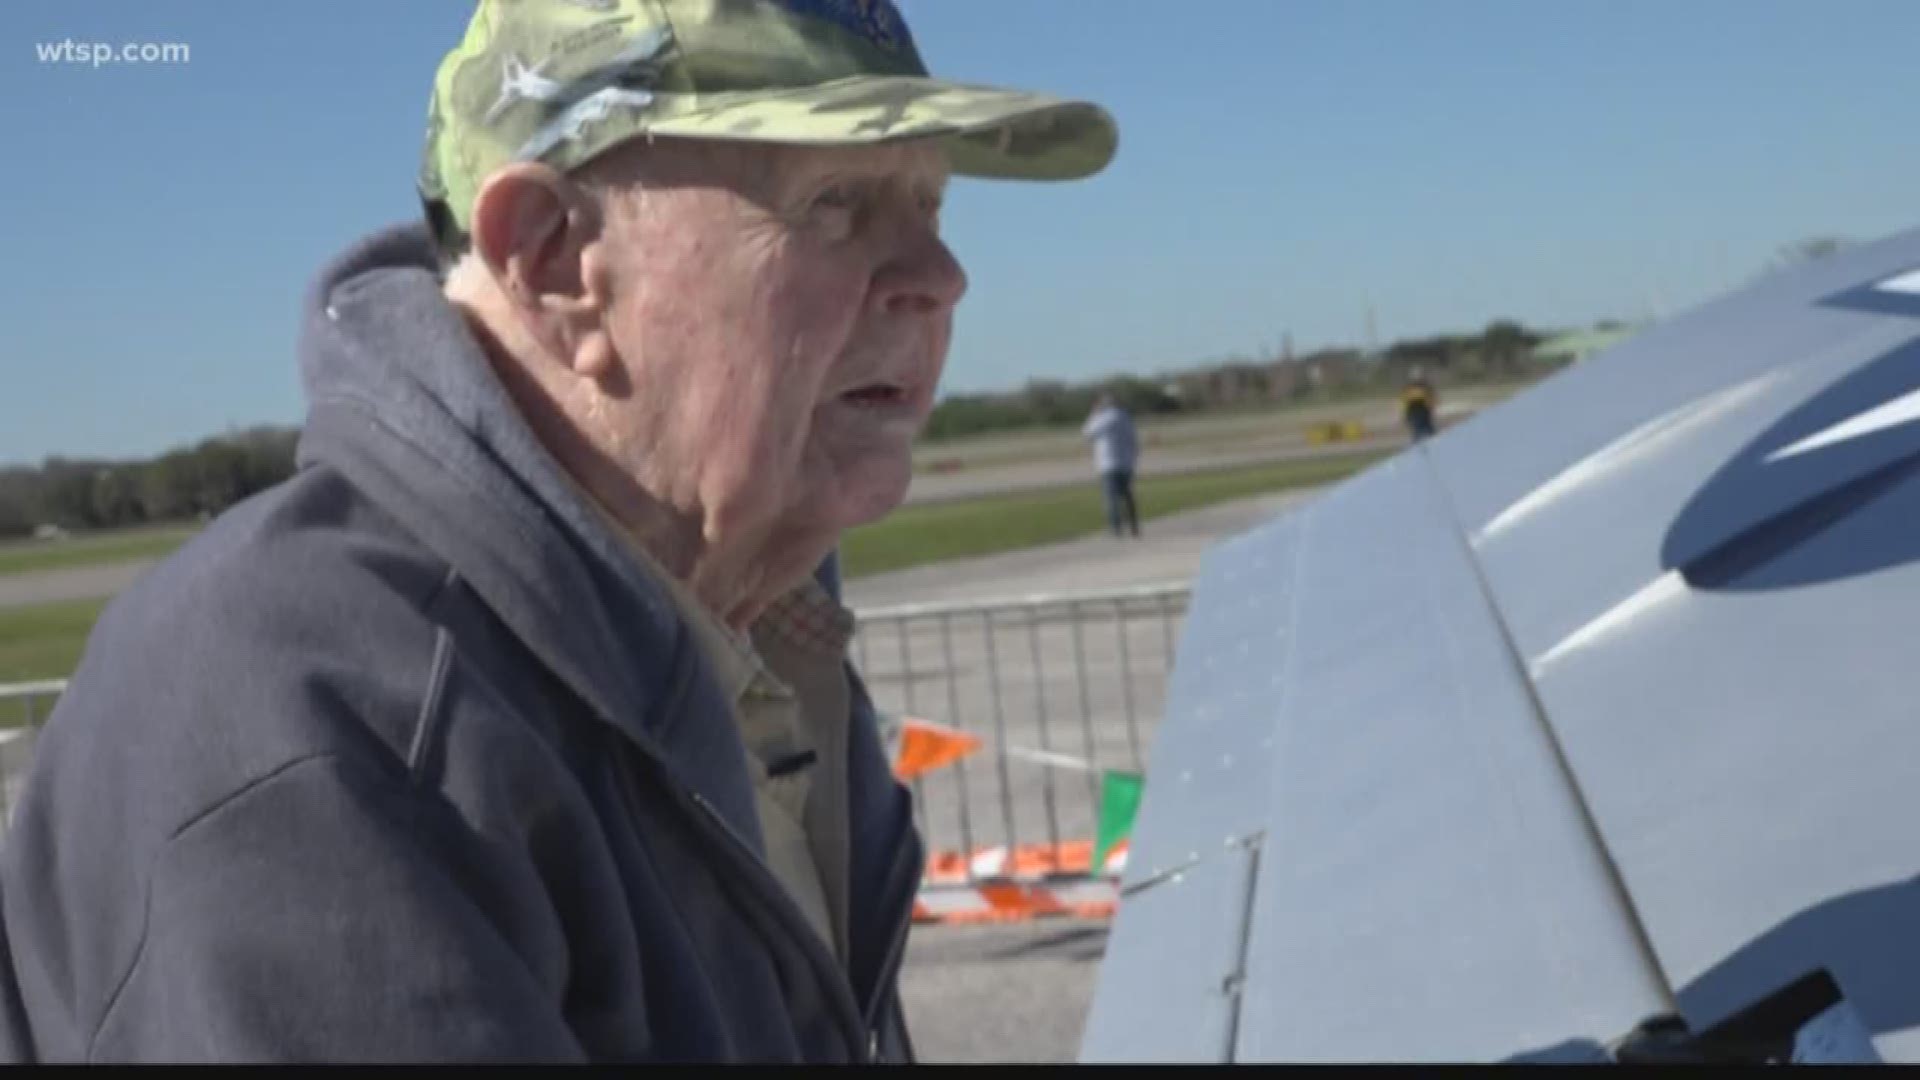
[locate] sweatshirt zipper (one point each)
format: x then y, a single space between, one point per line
890 965
768 890
865 1022
858 1024
763 886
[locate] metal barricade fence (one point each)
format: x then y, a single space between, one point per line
26 704
1048 683
23 709
1057 687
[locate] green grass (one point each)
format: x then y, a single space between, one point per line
44 641
915 535
24 556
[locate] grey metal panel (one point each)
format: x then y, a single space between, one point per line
1164 990
1558 558
1703 548
1754 761
1721 635
1163 994
1210 755
1428 889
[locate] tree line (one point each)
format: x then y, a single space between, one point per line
182 485
1501 352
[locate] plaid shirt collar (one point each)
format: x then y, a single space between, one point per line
807 617
810 618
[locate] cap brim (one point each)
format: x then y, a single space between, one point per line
988 131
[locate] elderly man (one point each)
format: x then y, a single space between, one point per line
518 724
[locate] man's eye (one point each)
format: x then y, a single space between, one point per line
839 197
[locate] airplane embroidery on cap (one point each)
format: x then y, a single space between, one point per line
878 21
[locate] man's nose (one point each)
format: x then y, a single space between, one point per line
924 278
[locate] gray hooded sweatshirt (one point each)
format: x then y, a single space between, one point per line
405 759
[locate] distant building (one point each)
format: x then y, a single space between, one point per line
1577 345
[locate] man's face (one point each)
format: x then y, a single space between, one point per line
781 316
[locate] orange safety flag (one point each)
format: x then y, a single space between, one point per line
926 746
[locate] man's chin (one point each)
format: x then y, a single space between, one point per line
872 494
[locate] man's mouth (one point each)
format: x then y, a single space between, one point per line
875 395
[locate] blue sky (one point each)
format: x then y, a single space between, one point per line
1284 165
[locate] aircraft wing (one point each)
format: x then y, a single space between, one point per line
1603 705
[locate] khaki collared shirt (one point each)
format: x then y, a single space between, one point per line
788 685
792 703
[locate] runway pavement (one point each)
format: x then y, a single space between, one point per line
1001 993
75 583
1059 460
1170 549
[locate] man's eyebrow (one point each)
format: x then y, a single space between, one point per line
872 180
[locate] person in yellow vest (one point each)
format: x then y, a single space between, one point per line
1419 405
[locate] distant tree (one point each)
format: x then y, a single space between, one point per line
1808 250
1503 347
19 501
962 415
116 498
220 476
1142 398
15 518
1051 402
1800 252
182 483
269 457
66 492
1429 352
166 487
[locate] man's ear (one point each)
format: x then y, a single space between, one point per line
534 228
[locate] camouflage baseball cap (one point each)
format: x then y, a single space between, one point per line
559 81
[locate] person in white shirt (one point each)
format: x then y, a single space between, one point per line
1116 449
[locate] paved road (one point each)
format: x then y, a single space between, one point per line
1037 475
75 583
1001 994
1233 441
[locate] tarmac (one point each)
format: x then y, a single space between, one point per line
1169 549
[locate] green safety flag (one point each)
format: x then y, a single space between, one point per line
1119 802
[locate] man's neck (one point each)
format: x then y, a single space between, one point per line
727 580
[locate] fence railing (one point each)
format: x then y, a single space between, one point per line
27 704
1057 687
24 707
